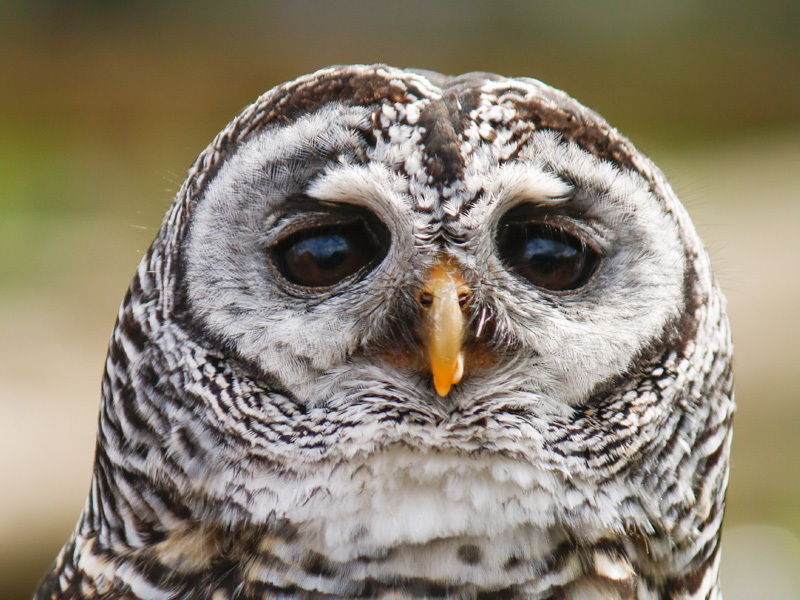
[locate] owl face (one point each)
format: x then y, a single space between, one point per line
311 253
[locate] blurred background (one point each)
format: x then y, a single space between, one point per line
103 107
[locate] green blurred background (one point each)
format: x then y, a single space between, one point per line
104 106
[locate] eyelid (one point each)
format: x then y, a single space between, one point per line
293 223
590 231
584 231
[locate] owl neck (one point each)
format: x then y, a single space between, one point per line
117 552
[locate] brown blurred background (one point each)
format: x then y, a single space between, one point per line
103 107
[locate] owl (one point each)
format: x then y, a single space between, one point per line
404 335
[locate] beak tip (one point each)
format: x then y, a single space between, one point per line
442 388
445 379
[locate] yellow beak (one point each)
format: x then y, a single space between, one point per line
445 324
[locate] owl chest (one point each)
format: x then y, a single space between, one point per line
405 525
527 564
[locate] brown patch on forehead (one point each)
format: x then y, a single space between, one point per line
443 122
590 135
460 102
351 88
441 142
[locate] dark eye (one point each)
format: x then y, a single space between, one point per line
324 256
547 256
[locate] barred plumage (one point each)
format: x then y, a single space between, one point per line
271 431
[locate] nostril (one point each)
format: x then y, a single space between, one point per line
425 299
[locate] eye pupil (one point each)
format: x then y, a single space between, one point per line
323 256
546 256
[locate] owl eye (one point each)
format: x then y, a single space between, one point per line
320 257
547 256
